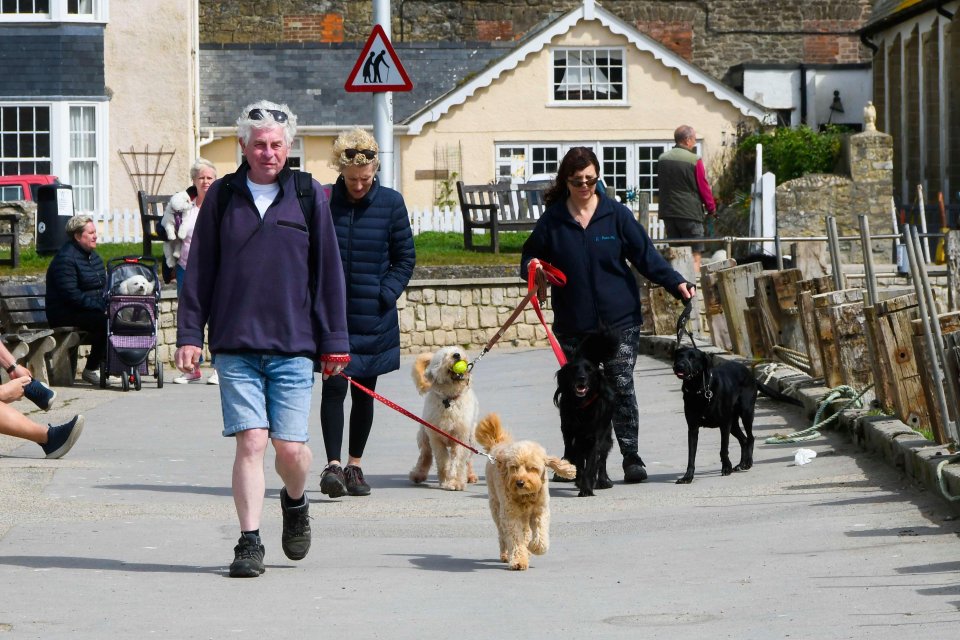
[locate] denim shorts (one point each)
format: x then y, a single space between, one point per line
265 392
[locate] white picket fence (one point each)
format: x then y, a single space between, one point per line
118 226
124 226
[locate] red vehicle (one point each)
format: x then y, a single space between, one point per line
23 187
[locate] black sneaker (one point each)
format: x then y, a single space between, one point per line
60 438
633 471
40 394
295 538
247 557
332 481
356 485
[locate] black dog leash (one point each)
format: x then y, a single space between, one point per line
682 323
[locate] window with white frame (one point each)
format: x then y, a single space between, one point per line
64 139
53 10
588 75
544 159
517 162
511 163
80 7
647 180
83 157
24 7
25 140
627 167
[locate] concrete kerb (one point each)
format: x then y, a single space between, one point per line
893 440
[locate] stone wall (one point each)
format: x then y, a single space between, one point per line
714 34
867 188
28 216
433 313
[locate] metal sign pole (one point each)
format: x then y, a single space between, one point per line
383 106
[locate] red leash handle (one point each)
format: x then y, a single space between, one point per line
540 270
393 405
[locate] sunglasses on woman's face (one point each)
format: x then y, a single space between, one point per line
588 182
259 114
369 154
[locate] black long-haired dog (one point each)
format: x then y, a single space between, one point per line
585 398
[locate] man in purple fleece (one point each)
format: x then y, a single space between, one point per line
265 279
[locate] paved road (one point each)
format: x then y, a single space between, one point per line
131 534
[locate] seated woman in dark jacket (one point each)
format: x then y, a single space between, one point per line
75 281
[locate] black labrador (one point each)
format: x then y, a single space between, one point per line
718 396
585 398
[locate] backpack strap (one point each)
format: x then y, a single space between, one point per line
303 182
223 196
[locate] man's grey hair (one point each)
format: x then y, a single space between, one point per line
76 224
201 163
246 124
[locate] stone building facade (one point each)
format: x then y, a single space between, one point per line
713 34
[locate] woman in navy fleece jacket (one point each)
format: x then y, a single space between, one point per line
593 240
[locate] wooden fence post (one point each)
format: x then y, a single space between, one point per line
808 321
712 307
736 285
896 355
949 323
839 316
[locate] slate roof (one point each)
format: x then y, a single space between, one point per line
890 12
51 62
310 78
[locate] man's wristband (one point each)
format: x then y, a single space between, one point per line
12 368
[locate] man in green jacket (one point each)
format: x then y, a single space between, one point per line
684 191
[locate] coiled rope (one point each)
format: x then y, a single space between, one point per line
942 482
795 359
842 391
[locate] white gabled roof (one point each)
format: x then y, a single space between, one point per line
588 11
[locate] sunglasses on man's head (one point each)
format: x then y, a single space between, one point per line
259 114
589 182
369 154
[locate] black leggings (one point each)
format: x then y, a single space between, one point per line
331 415
94 323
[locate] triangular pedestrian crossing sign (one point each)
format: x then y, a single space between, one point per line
378 68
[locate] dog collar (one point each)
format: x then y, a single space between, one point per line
447 401
707 379
590 400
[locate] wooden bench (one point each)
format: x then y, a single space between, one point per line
151 210
11 236
500 207
50 353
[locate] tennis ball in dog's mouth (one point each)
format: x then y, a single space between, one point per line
460 367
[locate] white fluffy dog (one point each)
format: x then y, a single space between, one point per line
135 286
451 405
519 495
171 222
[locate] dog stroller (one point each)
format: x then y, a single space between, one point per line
133 298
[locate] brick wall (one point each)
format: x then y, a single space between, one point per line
327 27
714 34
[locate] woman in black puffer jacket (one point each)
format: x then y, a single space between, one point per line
376 247
75 281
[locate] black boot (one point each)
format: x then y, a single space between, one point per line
633 470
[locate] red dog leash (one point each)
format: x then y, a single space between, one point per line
393 405
538 274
